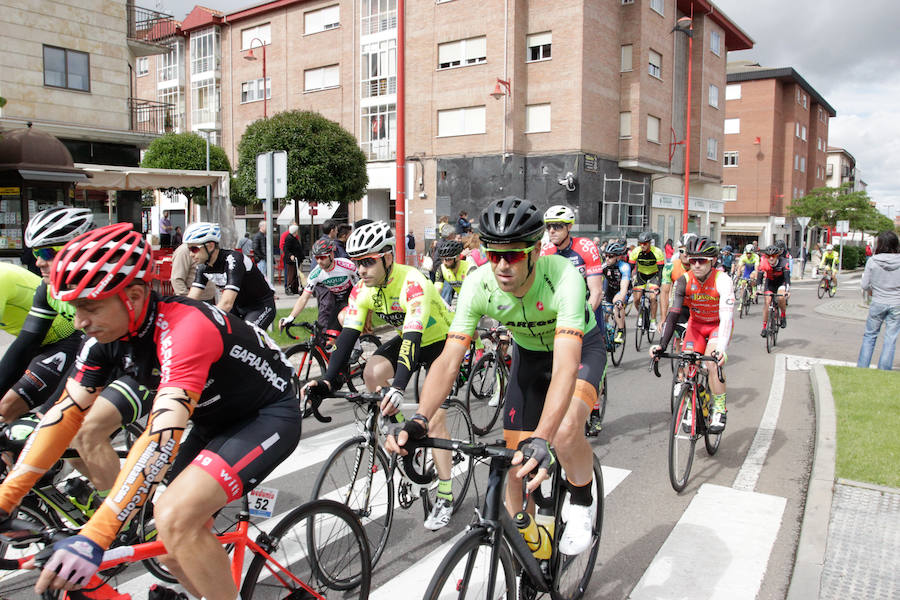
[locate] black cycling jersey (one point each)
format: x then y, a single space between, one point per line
236 271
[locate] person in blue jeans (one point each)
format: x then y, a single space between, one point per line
882 280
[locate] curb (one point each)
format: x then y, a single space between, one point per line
810 560
824 309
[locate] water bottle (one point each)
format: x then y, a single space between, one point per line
704 400
537 538
81 495
546 521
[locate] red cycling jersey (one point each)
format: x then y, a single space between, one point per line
582 253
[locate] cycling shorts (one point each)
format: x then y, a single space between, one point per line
130 398
529 381
644 279
330 305
427 354
698 335
44 379
748 270
772 285
241 455
260 315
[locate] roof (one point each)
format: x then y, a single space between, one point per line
200 17
749 71
735 37
260 9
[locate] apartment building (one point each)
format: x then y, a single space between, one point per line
841 169
776 143
65 72
570 102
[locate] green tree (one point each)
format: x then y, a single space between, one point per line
324 161
187 152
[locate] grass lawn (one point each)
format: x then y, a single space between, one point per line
867 403
308 314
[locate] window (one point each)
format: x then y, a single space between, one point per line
539 46
168 65
172 95
461 121
537 118
732 126
818 143
251 91
322 19
624 2
378 15
68 69
654 64
733 92
379 68
378 133
796 162
714 95
829 170
653 128
729 193
321 78
254 37
625 124
795 193
801 97
472 51
730 159
823 116
142 66
658 6
204 50
803 164
715 43
712 148
627 63
803 132
797 129
204 101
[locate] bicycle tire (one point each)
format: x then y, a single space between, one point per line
146 532
711 440
487 384
832 289
30 510
343 465
459 427
821 289
307 362
618 351
465 570
313 554
679 471
572 574
639 331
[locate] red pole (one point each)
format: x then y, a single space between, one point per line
400 206
687 139
265 86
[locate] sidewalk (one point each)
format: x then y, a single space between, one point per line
850 536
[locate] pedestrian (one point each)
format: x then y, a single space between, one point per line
816 255
462 223
445 229
259 248
176 237
329 229
245 245
292 254
669 250
411 249
340 242
165 230
881 279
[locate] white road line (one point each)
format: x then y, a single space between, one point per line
313 450
719 548
756 457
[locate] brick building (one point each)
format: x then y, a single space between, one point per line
591 100
776 142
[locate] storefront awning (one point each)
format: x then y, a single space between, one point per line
55 176
104 177
323 213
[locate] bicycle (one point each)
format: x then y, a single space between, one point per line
491 554
773 324
486 391
827 285
318 549
359 473
616 349
744 297
465 370
310 358
642 325
685 428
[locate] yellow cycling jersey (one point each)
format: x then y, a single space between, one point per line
829 259
454 277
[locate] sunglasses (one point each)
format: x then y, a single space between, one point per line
322 256
510 256
698 261
772 256
555 226
368 261
47 253
194 249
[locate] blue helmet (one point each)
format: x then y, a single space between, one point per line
202 232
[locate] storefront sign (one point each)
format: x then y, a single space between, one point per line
10 191
694 204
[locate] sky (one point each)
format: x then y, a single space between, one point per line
848 52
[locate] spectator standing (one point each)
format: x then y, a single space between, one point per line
292 253
445 229
881 279
281 265
184 272
329 229
411 249
245 245
165 230
669 250
816 255
340 242
462 223
868 250
259 248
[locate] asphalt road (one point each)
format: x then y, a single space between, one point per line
642 512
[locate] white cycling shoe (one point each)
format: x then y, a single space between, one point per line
578 534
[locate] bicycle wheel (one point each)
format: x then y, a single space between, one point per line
832 289
619 349
573 573
821 290
34 511
682 438
459 427
466 571
145 525
368 344
650 333
362 481
321 544
710 440
639 329
484 394
306 361
771 329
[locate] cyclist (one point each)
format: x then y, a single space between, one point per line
747 266
707 295
404 298
726 259
581 251
617 275
776 272
337 275
242 286
449 277
649 261
676 268
224 374
828 263
558 360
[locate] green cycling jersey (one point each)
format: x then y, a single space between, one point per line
649 262
23 294
556 300
749 259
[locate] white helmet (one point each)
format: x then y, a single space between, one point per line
748 248
829 248
56 226
559 214
370 239
686 238
202 232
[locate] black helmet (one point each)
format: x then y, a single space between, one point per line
450 249
702 246
772 250
780 244
644 237
323 246
511 220
614 249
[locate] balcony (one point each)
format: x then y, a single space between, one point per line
149 32
150 116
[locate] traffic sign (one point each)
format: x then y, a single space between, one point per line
804 221
279 165
842 227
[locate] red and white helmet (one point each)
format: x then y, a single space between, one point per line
101 263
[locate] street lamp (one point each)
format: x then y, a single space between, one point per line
207 133
250 56
685 25
496 95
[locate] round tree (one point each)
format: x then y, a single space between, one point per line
186 152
